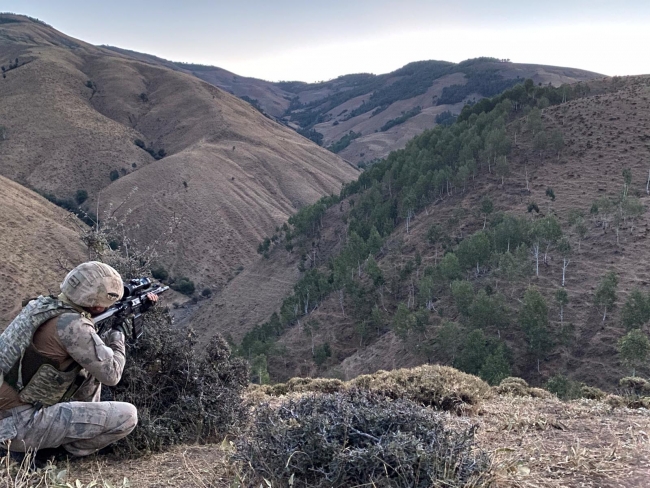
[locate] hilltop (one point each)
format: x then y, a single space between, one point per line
184 165
363 117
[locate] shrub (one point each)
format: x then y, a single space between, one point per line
81 196
438 386
180 396
140 143
114 175
357 438
184 286
563 387
615 401
512 389
539 393
303 385
592 393
207 292
321 353
159 273
635 385
514 380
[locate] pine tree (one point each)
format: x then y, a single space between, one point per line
463 294
562 299
636 310
496 366
605 296
634 349
533 318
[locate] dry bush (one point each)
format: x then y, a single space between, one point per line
303 385
514 380
518 387
441 387
180 396
26 474
592 393
539 393
634 384
357 438
615 401
640 402
512 389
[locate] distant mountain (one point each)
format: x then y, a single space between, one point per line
363 116
154 146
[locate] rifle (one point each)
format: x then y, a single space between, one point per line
131 307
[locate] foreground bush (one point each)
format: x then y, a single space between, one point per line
180 396
357 438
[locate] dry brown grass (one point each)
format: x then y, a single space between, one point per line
38 245
549 443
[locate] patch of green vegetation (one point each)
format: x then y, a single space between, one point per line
183 285
344 142
484 83
401 119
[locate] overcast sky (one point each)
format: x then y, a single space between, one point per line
310 41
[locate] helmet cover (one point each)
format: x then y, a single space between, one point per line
93 284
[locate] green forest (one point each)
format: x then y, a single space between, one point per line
466 291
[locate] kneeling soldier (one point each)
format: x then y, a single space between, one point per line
51 395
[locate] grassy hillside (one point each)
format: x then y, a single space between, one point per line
438 246
182 164
39 244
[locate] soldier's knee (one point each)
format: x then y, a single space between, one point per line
128 416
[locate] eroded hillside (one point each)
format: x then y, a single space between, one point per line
158 149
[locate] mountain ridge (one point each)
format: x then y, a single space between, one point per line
325 112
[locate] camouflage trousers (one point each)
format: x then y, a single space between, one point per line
81 428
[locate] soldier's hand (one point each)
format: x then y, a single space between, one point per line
150 300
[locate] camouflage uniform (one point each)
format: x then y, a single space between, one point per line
84 425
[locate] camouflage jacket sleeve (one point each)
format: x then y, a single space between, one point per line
105 362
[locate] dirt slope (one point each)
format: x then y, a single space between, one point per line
72 111
38 246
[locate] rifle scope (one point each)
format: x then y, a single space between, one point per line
136 285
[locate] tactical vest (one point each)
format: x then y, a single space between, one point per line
36 378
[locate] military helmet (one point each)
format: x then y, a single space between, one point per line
93 284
